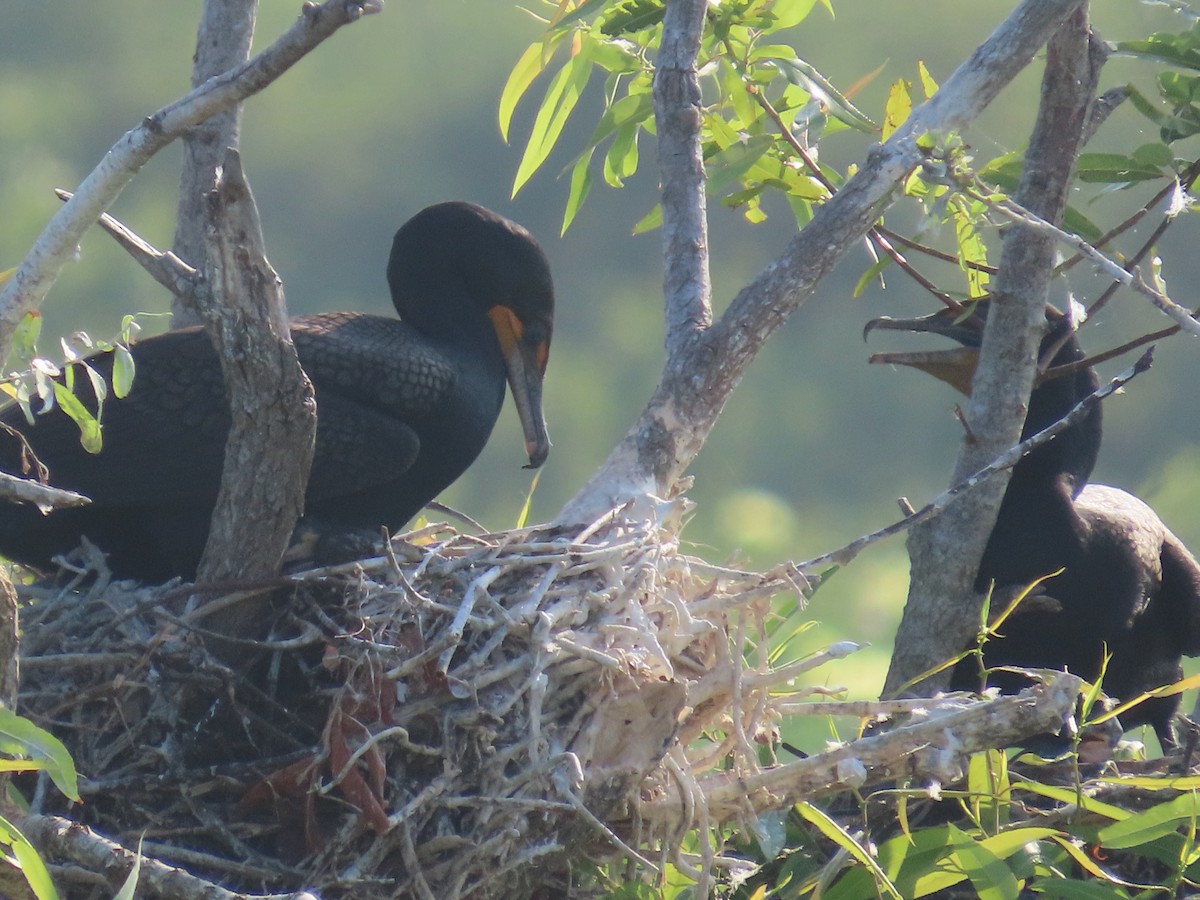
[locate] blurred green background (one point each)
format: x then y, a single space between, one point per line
399 111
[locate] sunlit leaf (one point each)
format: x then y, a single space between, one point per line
897 108
649 221
561 96
122 371
990 877
523 515
89 427
30 861
128 890
581 186
22 737
928 84
842 838
1152 823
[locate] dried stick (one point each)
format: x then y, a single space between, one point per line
935 748
62 838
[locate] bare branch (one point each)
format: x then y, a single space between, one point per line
41 495
222 42
56 244
274 418
1129 277
63 839
670 431
166 268
942 609
686 285
933 748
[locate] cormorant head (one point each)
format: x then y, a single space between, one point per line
965 325
1073 453
455 261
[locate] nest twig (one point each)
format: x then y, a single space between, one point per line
463 716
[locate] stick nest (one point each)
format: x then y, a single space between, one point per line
466 716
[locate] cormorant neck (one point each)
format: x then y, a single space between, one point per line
1071 455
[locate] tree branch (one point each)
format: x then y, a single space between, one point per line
932 748
695 384
63 839
274 417
56 244
942 609
222 42
686 286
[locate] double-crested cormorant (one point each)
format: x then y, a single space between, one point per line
1127 584
403 405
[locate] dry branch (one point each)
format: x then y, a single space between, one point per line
56 244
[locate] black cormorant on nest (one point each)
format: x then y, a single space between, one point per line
404 406
1127 583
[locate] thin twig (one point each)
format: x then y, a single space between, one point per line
1006 460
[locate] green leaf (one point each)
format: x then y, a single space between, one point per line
649 221
632 15
581 186
560 100
928 85
1070 889
728 165
1156 154
27 332
528 67
991 878
567 16
22 737
842 838
523 515
800 73
128 890
621 161
875 271
122 371
89 427
1146 826
1114 168
1068 795
897 108
30 861
1181 49
790 13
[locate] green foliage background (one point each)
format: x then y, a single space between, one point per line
399 111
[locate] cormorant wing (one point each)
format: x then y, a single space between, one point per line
163 444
